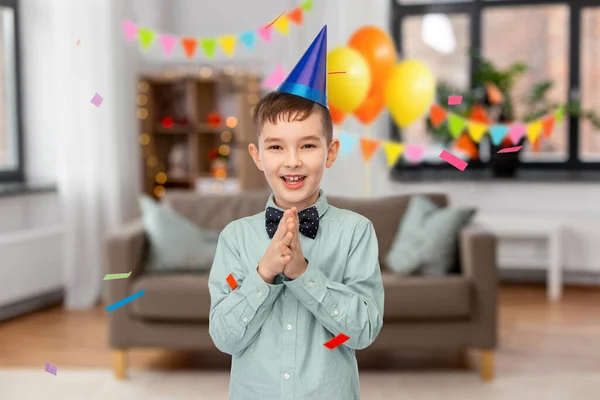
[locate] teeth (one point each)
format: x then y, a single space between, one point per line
293 178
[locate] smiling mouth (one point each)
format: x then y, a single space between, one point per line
293 181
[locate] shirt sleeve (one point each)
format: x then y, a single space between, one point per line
237 315
354 306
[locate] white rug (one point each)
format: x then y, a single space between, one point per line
91 384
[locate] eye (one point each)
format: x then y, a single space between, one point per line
309 146
274 147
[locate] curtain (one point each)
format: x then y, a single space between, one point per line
97 162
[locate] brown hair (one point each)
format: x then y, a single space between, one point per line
278 106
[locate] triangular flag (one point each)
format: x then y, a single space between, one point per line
368 147
275 78
498 133
168 42
264 33
209 45
559 114
477 130
393 151
130 29
414 152
189 46
146 37
282 24
307 5
456 124
533 130
466 145
296 15
516 132
228 44
347 143
248 39
548 124
437 115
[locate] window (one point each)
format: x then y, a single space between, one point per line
558 41
10 137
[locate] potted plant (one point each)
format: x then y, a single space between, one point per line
536 106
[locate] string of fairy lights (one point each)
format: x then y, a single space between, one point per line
239 78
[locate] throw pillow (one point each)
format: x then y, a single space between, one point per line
426 240
176 244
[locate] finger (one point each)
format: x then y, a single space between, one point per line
291 225
285 260
287 239
281 229
285 250
295 214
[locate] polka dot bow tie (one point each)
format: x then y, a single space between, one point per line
309 221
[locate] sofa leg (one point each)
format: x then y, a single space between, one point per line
120 363
487 365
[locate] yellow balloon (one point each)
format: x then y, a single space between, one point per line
348 88
409 91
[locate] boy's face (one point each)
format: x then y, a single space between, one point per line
293 156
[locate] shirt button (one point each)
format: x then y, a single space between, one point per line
288 327
310 284
336 312
259 294
286 376
245 319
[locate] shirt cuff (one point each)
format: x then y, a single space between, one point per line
258 292
310 286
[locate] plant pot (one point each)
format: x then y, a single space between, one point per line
505 165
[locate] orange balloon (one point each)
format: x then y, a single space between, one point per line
370 107
377 47
337 115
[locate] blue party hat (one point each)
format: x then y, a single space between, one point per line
308 79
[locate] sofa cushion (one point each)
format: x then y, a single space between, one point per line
176 243
427 238
385 213
172 297
410 298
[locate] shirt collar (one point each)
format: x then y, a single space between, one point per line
321 203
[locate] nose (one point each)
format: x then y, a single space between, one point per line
292 160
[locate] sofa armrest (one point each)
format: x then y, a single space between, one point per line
124 251
478 262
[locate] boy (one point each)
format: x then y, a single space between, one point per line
306 271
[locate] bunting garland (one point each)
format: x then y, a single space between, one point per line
498 132
228 43
413 153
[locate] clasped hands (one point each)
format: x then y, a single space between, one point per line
284 253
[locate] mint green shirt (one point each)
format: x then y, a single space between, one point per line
275 332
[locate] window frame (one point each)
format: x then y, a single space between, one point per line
474 9
16 175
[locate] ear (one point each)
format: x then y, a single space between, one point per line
332 152
253 150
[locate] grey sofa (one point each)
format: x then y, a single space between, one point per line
457 311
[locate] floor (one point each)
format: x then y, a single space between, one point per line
535 336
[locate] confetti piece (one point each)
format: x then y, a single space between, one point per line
78 42
109 277
510 149
275 20
51 369
336 341
231 280
453 160
454 100
337 72
125 301
97 100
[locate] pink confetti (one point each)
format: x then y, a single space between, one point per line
97 100
510 149
454 100
453 160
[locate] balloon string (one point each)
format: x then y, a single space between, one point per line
367 134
